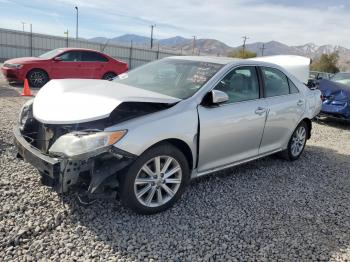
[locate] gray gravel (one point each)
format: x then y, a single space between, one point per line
269 209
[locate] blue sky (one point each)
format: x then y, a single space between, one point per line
290 21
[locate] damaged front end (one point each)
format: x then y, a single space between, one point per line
78 156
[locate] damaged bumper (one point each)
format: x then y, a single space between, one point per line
63 174
336 109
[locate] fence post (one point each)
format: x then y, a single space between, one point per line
130 55
158 52
31 40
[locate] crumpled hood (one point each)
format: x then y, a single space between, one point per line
337 91
72 101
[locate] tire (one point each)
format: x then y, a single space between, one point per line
37 78
146 191
296 143
109 76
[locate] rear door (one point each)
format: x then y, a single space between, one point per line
285 108
232 131
92 65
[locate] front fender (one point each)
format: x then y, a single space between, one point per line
179 122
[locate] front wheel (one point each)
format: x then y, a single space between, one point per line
37 78
155 181
297 142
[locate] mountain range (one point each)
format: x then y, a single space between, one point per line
216 47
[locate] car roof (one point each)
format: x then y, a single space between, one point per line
209 59
78 49
224 60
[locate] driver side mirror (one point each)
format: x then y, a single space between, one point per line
218 97
57 59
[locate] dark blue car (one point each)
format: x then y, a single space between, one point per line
336 96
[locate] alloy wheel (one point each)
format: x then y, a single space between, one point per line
37 78
158 181
298 141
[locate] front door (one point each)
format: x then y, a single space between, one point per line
232 131
67 66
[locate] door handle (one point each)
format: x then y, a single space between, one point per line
300 103
260 110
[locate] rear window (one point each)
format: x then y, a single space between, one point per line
276 83
93 57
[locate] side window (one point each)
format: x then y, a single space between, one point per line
276 83
71 56
241 84
292 87
93 57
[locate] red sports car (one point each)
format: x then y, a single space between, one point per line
63 63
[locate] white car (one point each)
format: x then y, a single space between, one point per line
149 131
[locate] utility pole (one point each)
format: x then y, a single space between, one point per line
193 44
262 49
152 26
76 32
66 33
245 38
23 23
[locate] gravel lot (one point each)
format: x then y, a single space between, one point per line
269 209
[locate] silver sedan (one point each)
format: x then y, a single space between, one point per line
150 131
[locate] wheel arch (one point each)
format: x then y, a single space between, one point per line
36 68
309 125
109 71
181 145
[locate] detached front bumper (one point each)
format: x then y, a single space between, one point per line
63 174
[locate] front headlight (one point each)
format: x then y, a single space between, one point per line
14 66
25 113
80 143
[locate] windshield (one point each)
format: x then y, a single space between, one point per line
51 53
173 77
341 76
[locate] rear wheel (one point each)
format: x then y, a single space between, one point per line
155 181
297 142
109 76
37 78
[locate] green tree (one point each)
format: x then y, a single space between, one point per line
242 54
326 63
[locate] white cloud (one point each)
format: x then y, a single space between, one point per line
224 20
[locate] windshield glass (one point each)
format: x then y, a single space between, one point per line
173 77
51 53
341 76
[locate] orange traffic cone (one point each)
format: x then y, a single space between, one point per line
26 89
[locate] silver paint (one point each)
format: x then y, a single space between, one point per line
229 134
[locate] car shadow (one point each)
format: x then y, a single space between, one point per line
269 208
334 122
